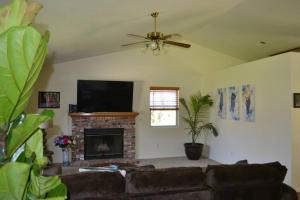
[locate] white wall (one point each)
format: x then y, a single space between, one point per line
177 67
268 138
295 86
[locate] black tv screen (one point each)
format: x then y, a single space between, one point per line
104 96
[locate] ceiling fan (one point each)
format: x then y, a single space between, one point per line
155 40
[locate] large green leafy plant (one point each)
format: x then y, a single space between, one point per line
197 109
22 53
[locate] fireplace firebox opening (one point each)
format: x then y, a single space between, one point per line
103 143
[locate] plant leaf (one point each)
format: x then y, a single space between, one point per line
209 127
17 13
22 52
19 135
183 102
13 180
34 145
32 10
39 185
57 193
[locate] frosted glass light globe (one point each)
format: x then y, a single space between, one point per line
153 45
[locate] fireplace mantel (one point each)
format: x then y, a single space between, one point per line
104 114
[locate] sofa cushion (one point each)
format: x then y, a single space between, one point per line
288 193
164 180
174 195
242 162
251 182
102 185
226 176
130 169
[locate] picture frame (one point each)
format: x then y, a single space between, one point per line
248 102
221 102
48 99
296 100
233 103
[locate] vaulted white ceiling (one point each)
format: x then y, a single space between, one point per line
83 28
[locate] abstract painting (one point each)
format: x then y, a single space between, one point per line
221 103
233 103
248 106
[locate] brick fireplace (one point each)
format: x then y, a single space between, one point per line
104 120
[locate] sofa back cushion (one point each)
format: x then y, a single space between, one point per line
102 185
164 180
249 182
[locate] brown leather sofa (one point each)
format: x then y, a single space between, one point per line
220 182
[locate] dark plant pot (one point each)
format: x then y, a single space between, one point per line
193 151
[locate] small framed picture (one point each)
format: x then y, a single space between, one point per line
296 100
49 100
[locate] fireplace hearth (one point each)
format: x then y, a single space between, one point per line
102 143
103 148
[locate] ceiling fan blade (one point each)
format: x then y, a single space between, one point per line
177 43
171 35
134 35
125 45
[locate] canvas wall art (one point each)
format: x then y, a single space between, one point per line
221 103
248 106
233 103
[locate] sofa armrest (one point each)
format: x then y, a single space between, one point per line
288 193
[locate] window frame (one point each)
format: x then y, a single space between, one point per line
175 107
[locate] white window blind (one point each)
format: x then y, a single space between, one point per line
164 98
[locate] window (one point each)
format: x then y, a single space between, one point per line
164 106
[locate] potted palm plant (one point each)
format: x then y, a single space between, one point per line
197 111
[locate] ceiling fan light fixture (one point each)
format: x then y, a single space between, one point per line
154 45
156 40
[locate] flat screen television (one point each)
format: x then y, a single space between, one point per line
104 96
